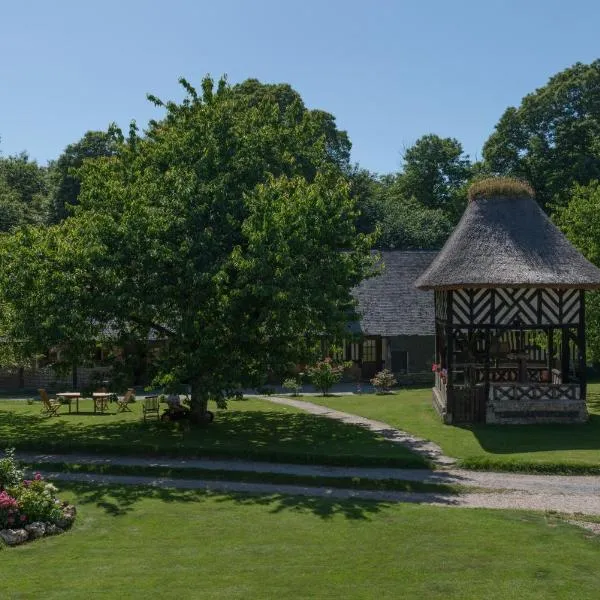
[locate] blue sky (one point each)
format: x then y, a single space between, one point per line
390 71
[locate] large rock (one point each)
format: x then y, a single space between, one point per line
52 529
12 537
36 529
69 512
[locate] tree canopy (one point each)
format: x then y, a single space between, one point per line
24 192
580 220
65 170
227 232
552 139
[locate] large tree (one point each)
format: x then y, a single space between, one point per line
228 230
435 173
553 138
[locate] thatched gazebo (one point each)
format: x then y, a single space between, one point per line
509 313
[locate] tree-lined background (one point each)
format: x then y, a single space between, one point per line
241 196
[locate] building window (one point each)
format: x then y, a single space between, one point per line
369 351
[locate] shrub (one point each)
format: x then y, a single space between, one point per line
25 503
383 381
325 374
293 385
10 474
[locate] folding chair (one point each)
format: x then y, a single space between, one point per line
151 406
50 407
123 403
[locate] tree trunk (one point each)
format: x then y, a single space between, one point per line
74 378
199 412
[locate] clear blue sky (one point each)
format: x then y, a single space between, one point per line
390 71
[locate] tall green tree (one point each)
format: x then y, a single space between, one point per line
435 173
65 170
553 138
228 230
580 220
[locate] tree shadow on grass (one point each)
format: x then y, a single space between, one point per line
266 435
117 500
510 439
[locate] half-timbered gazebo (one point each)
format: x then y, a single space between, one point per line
509 313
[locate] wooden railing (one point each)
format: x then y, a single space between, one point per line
534 392
510 374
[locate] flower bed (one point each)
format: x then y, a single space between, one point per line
29 508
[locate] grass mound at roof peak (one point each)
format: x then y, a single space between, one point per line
500 187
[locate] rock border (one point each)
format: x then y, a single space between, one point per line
38 529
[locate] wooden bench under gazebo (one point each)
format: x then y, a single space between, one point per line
509 313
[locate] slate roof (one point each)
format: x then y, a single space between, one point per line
389 303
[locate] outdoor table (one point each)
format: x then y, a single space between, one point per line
70 396
100 398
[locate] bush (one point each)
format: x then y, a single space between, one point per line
10 474
325 374
383 381
29 506
293 385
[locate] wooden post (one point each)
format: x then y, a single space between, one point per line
581 347
449 361
550 357
564 353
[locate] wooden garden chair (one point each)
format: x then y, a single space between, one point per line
123 403
151 406
50 406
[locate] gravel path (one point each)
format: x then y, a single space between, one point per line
584 504
416 444
566 494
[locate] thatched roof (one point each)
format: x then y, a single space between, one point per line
389 304
508 242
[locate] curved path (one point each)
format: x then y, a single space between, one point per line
416 444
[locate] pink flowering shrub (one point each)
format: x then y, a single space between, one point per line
325 374
24 501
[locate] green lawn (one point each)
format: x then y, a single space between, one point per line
552 448
248 429
141 543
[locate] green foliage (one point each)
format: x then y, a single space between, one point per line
227 232
24 192
292 384
580 221
36 501
383 381
407 225
435 172
10 474
325 374
418 207
65 171
552 138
